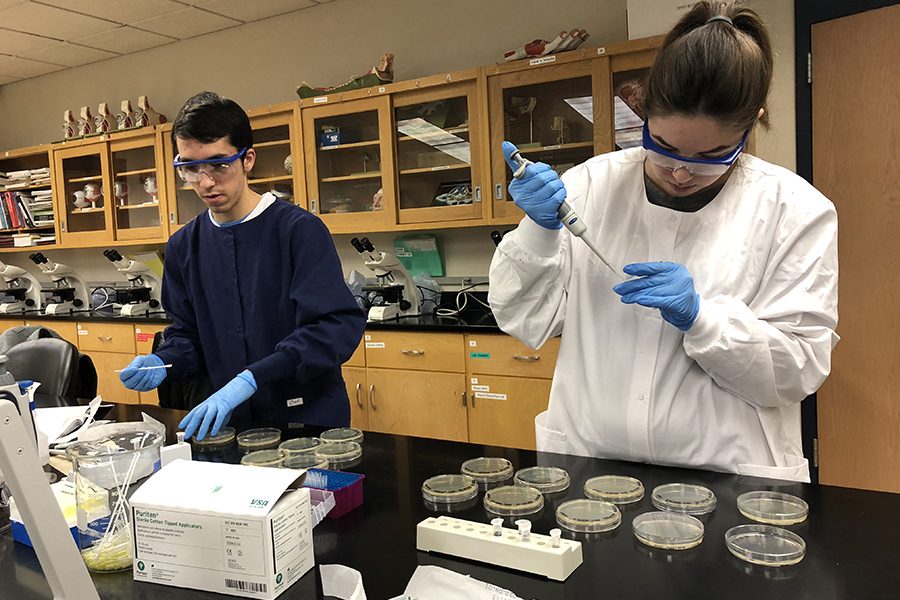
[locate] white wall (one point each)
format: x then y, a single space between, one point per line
261 63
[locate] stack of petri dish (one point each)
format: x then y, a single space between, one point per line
513 500
588 516
224 438
309 460
488 471
684 498
302 445
263 438
668 530
340 455
547 480
342 434
446 492
618 489
263 458
773 508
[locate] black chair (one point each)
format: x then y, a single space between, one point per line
54 363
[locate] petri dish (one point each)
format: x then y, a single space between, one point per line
342 434
618 489
547 480
223 438
449 489
588 516
263 458
773 508
668 530
303 445
259 439
487 469
765 545
684 498
304 461
339 454
513 500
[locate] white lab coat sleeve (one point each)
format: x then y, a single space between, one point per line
776 350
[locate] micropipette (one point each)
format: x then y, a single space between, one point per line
567 215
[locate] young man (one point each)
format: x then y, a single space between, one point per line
254 289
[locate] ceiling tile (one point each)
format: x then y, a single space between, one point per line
125 40
187 23
14 42
121 11
51 21
23 67
70 55
254 11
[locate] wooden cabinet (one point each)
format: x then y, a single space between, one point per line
7 323
109 189
110 346
350 163
416 351
355 380
67 330
27 186
509 385
143 344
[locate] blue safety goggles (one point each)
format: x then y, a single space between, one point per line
703 167
191 171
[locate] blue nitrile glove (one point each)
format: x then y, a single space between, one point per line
539 192
143 381
216 410
663 285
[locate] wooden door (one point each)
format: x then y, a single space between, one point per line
502 410
855 79
355 381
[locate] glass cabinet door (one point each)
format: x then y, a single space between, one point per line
349 157
136 185
548 113
437 154
84 199
182 202
273 170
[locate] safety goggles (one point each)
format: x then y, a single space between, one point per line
701 167
191 171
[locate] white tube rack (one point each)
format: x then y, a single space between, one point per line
476 541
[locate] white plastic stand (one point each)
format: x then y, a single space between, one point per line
476 541
59 557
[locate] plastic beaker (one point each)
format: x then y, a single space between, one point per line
107 472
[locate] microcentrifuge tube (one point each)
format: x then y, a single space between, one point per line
498 526
524 526
555 534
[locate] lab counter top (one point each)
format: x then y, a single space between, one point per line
85 317
851 551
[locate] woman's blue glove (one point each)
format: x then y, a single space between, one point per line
663 285
146 380
539 192
216 410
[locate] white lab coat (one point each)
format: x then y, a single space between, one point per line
724 396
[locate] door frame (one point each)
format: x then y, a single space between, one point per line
806 14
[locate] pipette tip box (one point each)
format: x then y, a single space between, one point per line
346 487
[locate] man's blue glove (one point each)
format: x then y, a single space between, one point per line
216 410
663 285
539 192
146 380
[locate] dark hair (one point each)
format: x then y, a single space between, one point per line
716 68
206 117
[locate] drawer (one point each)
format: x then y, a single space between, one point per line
418 351
493 354
358 359
66 329
143 338
106 337
7 323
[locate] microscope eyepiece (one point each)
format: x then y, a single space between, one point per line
357 245
367 245
38 258
112 255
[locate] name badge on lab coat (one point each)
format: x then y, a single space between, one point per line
294 402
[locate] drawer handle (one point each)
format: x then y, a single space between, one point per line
412 352
526 357
359 401
464 398
372 397
104 338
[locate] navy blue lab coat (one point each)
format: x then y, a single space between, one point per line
266 295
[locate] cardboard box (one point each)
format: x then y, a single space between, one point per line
64 492
232 529
654 17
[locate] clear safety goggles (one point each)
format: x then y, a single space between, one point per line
701 167
191 171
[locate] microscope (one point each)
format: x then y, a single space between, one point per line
23 287
68 293
395 284
143 295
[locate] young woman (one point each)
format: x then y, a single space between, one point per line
726 320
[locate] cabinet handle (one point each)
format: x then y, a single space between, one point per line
372 397
62 226
359 401
313 205
526 357
172 217
498 191
473 400
464 398
104 338
477 193
412 352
